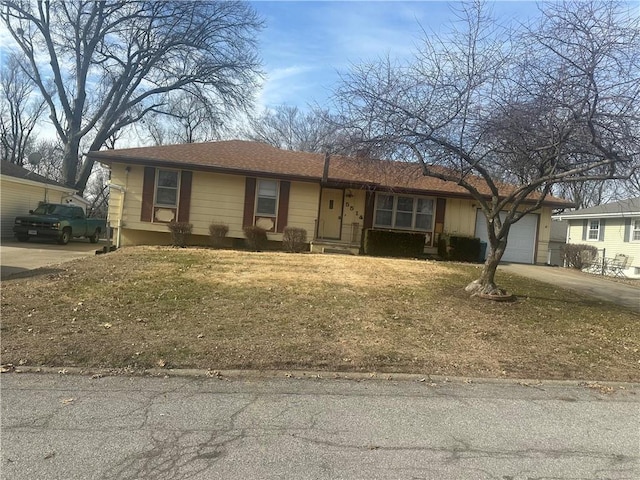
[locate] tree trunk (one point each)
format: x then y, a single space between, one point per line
70 162
486 284
85 173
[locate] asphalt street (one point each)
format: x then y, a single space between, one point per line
77 427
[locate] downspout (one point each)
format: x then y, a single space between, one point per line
123 191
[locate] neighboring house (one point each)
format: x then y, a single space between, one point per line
613 228
22 190
335 199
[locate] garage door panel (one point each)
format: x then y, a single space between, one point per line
522 237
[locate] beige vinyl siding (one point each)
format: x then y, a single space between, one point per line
613 242
143 237
303 206
544 233
215 198
18 197
460 217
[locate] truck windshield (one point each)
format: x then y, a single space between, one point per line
49 209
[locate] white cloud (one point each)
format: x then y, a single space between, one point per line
285 85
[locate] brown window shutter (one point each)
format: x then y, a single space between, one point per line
441 204
184 204
148 188
283 206
367 221
249 201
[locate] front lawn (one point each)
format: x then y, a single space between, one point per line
144 307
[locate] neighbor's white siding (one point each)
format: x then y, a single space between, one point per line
613 243
17 197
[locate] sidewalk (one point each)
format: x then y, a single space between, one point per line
594 285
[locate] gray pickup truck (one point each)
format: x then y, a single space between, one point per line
59 222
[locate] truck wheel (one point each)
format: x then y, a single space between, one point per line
94 238
65 237
22 238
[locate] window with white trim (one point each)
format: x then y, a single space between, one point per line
404 212
267 198
594 230
167 184
635 230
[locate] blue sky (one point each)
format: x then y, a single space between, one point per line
305 45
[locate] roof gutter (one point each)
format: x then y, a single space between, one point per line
36 183
584 216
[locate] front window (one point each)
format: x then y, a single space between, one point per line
635 233
403 212
384 211
267 198
167 188
594 230
424 214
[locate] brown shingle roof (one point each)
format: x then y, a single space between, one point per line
246 157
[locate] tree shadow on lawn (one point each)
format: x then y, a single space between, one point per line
15 273
575 299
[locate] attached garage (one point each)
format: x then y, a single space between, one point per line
521 245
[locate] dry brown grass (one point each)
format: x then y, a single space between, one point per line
152 306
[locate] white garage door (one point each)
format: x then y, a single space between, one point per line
522 237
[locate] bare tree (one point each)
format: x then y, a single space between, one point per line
188 118
50 165
97 192
289 128
557 102
110 63
20 111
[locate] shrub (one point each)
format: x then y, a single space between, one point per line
217 232
294 239
256 238
180 233
443 247
459 249
389 243
464 249
578 255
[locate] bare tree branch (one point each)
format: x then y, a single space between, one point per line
100 66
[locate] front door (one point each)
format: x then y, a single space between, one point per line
330 213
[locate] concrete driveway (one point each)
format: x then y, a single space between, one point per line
593 285
19 259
